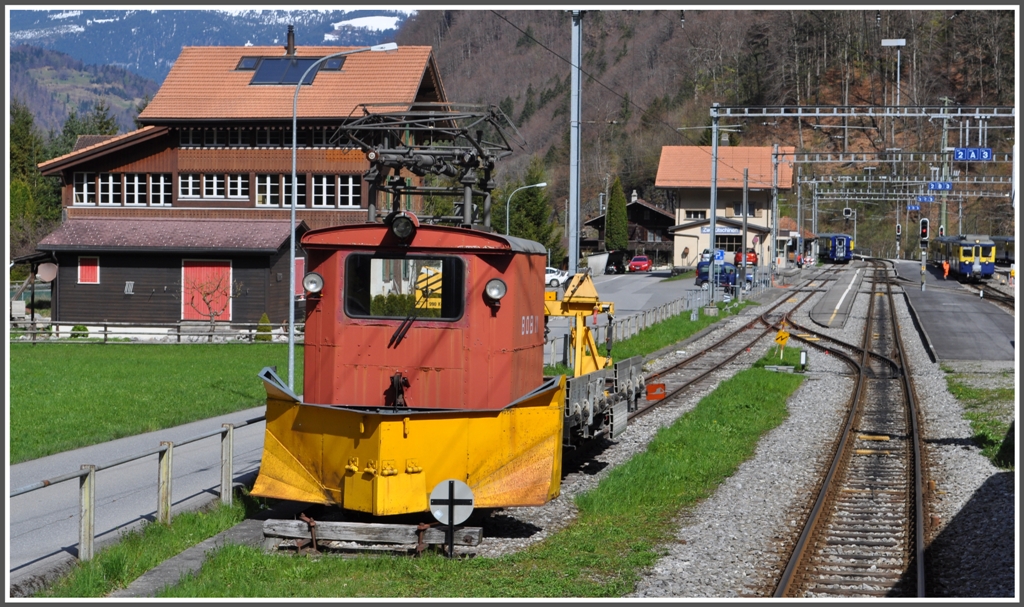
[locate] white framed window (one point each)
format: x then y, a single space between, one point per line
85 188
213 186
214 138
190 138
300 190
324 189
238 186
160 189
110 188
696 214
188 185
737 209
135 188
88 270
268 190
269 138
238 137
350 189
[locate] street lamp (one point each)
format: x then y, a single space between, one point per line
390 46
898 43
508 203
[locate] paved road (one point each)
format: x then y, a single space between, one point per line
43 524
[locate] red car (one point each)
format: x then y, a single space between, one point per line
751 258
640 263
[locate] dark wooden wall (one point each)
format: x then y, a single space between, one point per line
157 288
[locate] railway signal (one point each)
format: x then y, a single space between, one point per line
924 231
899 230
942 231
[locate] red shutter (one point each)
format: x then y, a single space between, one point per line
206 288
89 270
300 272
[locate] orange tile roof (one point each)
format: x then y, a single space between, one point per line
689 166
789 224
53 165
204 84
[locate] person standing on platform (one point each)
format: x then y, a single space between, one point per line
945 268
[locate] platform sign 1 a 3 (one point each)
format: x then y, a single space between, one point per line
926 199
972 153
940 185
913 207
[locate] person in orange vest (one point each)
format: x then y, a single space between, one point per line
945 268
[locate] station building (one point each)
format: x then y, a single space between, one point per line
685 173
191 211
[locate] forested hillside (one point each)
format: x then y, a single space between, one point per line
648 73
52 84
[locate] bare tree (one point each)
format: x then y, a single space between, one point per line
211 298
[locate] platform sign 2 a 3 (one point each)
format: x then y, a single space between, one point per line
972 153
940 185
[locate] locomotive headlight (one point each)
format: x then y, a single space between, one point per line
403 225
495 289
313 282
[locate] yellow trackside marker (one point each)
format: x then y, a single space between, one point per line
872 437
871 452
793 300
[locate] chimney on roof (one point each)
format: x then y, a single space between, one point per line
290 49
633 197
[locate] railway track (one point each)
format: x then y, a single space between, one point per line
864 535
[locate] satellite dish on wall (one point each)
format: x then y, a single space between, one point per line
47 272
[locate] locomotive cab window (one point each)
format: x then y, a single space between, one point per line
390 287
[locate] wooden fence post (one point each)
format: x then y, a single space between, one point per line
227 449
87 513
163 502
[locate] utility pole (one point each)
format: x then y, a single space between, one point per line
799 214
714 196
775 206
945 169
572 230
743 241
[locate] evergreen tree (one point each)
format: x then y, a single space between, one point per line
616 233
138 110
531 215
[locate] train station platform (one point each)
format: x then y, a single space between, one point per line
957 324
833 308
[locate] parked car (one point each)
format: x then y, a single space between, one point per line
640 263
751 258
554 278
616 263
726 273
706 255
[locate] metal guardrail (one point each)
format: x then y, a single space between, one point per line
165 453
624 328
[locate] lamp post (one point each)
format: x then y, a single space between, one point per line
390 46
898 43
508 203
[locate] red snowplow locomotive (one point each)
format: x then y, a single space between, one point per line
423 360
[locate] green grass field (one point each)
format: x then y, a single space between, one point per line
65 396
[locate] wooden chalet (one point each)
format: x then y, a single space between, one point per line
201 193
647 227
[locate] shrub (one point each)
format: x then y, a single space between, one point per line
79 331
263 328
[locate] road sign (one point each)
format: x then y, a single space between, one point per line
782 337
913 207
719 255
461 496
972 153
926 199
940 185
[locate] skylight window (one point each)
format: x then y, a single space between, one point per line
248 63
284 70
334 64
